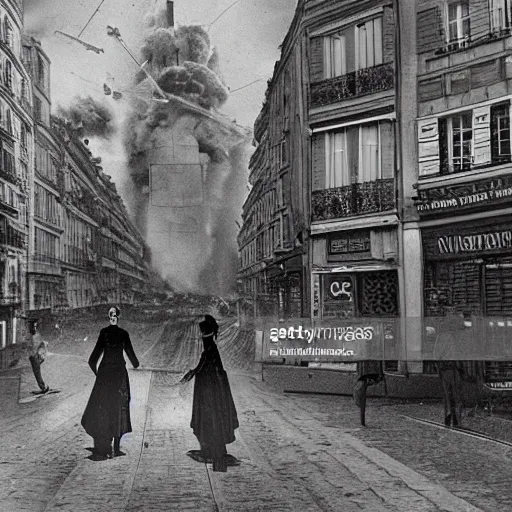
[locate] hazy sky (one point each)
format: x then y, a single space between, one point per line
247 37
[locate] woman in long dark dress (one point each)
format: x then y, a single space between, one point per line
107 415
214 417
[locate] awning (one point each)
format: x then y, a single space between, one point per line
318 269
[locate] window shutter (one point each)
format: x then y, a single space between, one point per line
429 28
387 148
316 61
428 146
482 135
318 161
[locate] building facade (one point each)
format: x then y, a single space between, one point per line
16 166
45 280
465 161
273 262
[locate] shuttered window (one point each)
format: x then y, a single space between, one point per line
429 26
500 133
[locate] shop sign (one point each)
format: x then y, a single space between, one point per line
339 340
349 243
456 244
465 196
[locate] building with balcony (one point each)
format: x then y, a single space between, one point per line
103 258
45 280
272 260
355 266
464 182
16 165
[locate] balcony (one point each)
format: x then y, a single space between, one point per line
43 264
352 85
356 199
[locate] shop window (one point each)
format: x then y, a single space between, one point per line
379 294
500 133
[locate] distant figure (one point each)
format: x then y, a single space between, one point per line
107 415
214 416
38 355
450 371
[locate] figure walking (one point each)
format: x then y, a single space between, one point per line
107 415
214 416
37 355
450 370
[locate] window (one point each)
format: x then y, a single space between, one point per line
499 14
354 155
456 138
334 56
500 133
38 110
7 35
8 75
369 161
369 44
458 21
41 71
336 166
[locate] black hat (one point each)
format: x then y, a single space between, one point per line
209 325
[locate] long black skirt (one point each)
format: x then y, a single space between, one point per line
214 416
107 414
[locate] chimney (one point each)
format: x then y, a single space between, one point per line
170 13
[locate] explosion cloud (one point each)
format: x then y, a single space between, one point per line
95 119
187 165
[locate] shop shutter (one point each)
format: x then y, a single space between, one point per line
460 284
498 290
428 146
429 28
482 135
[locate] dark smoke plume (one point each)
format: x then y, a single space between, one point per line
196 83
195 154
93 118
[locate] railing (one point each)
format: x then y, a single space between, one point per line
43 264
11 236
356 199
354 84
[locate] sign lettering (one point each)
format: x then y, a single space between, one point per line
455 244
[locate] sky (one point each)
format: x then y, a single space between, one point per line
247 37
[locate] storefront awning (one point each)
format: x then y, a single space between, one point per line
317 269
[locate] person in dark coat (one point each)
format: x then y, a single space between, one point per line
449 369
107 415
214 416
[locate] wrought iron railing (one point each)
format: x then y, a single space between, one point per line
355 199
354 84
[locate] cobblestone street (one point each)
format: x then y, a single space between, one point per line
297 452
